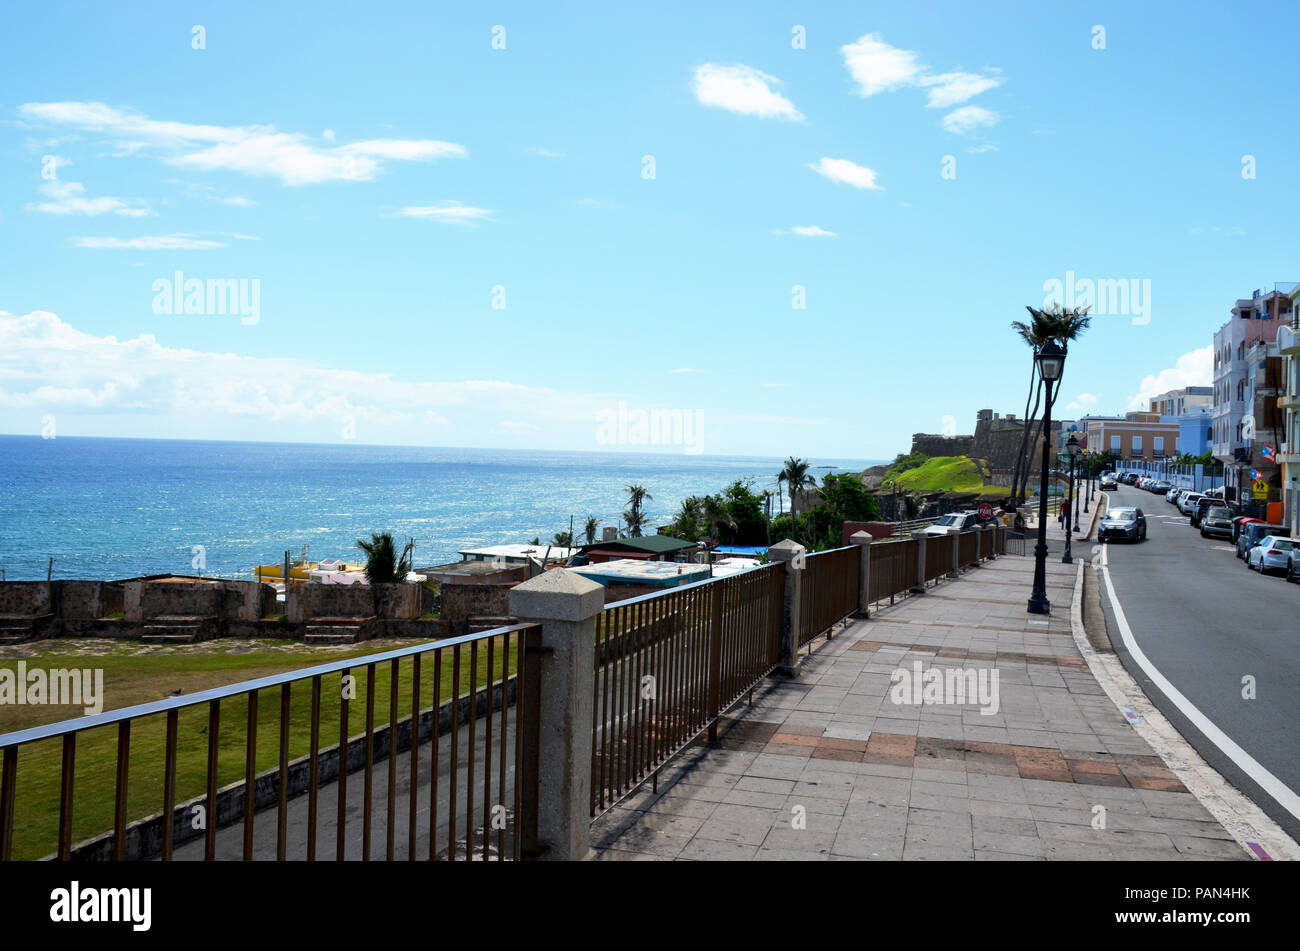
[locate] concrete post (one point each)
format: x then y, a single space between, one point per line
863 540
566 604
992 541
919 587
791 554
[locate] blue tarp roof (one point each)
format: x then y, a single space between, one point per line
755 550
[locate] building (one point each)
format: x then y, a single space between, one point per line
645 548
517 554
1254 319
1288 404
1184 400
1143 436
1195 430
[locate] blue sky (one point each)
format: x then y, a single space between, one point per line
385 176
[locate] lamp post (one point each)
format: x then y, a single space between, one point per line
1073 445
1051 361
1071 450
1087 485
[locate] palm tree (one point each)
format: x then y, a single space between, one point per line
1035 334
1062 326
562 540
795 476
635 522
589 529
714 512
383 565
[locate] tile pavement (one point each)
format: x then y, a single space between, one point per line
828 767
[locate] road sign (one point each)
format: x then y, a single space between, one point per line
986 511
1259 490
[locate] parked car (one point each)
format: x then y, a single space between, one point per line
1240 522
1159 487
1108 484
1174 495
1252 532
954 522
1217 521
1273 553
1124 522
1188 502
1129 478
1203 505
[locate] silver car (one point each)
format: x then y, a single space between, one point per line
1123 522
1273 553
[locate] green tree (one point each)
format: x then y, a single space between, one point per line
562 540
795 476
589 529
383 564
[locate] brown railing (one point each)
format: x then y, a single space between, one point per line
829 591
938 555
668 664
468 788
893 568
968 550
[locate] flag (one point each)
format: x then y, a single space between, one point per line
1254 474
1267 453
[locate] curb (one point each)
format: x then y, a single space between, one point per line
1240 817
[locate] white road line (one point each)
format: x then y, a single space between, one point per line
1279 791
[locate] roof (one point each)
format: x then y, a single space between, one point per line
755 550
519 552
651 544
665 574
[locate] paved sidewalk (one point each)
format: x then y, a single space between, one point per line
828 766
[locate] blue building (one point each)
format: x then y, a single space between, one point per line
1195 431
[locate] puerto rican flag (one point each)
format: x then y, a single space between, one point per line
1267 453
1254 474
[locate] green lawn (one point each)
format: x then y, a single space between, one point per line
131 678
943 474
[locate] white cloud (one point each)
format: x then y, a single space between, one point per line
50 366
878 67
1084 402
447 211
978 149
850 173
809 231
951 89
69 198
250 150
240 201
968 118
742 89
160 242
1191 369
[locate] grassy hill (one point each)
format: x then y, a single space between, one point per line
943 473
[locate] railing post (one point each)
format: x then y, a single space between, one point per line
566 605
863 540
919 587
993 541
715 660
792 554
956 556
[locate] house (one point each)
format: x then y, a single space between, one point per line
645 548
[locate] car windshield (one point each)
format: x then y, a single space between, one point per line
948 520
1219 512
1123 515
1282 544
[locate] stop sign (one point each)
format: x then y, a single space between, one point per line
986 511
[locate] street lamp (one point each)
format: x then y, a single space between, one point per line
1051 361
1073 447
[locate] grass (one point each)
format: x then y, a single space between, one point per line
135 677
943 474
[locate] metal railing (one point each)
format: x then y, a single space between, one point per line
893 568
175 754
667 665
830 591
905 529
938 555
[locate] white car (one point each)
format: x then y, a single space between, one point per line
1273 553
954 522
1187 502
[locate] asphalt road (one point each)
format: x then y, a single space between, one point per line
1205 623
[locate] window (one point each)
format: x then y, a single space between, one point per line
1137 445
1158 443
1115 443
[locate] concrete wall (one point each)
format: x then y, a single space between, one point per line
876 530
228 600
26 598
70 600
935 444
462 601
391 601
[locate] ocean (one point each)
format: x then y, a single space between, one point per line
119 508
